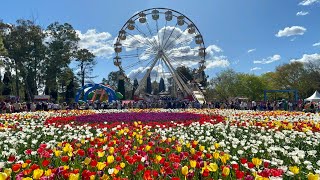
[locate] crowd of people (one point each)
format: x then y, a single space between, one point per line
15 107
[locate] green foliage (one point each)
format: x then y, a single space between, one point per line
121 88
149 85
6 83
61 47
162 86
185 73
86 62
3 50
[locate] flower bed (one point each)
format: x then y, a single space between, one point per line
159 144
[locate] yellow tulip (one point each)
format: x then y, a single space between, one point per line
216 145
202 148
67 148
73 176
24 165
105 177
101 153
110 159
87 161
193 163
158 158
3 176
179 148
115 171
101 165
8 171
92 177
140 141
27 178
82 141
122 165
37 173
294 169
313 176
216 155
65 167
226 171
188 145
192 151
111 150
212 167
261 178
48 172
185 170
256 161
57 153
147 148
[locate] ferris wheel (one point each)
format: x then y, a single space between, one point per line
153 43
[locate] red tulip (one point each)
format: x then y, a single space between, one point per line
11 158
93 163
251 165
81 152
243 160
16 167
45 163
239 174
34 166
65 158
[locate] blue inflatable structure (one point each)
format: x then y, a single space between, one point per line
111 93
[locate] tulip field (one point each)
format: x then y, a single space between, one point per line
159 144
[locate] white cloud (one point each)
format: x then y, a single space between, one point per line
291 31
251 50
214 48
293 39
268 60
302 13
99 43
316 44
217 62
255 69
308 2
307 58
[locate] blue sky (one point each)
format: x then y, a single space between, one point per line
254 36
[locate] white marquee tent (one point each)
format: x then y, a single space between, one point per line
315 97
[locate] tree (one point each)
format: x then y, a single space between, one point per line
149 85
112 80
185 73
224 84
121 88
155 87
294 76
24 43
71 91
250 86
86 63
61 47
3 50
135 86
162 86
6 83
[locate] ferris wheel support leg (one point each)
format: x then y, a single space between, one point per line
144 79
178 78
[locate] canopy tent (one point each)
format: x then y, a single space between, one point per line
315 97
